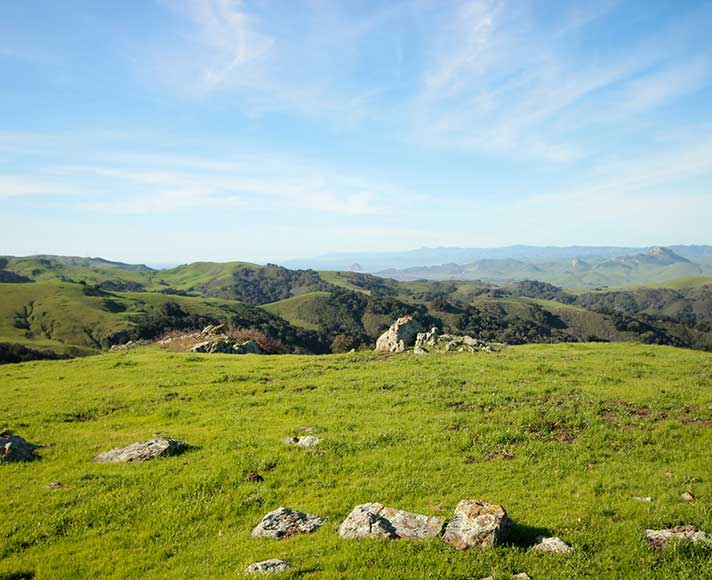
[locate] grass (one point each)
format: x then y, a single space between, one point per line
63 317
305 310
587 427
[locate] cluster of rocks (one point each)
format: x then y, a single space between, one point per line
15 448
407 332
662 539
128 345
434 341
213 339
475 524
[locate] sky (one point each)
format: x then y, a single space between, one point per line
169 131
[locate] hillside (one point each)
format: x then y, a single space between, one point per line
73 319
73 306
565 437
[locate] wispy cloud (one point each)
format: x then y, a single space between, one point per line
231 34
173 183
20 186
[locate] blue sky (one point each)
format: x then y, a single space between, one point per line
178 130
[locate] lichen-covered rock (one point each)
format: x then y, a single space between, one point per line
552 545
399 336
142 451
284 523
477 524
661 539
15 448
374 520
227 345
306 441
434 341
273 566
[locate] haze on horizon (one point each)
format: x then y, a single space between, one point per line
173 131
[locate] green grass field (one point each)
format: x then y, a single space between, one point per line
562 435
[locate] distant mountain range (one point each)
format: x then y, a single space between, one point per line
571 267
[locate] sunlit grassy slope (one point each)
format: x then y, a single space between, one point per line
587 427
71 318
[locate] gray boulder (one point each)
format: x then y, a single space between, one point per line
553 545
477 524
306 441
15 448
374 520
661 539
284 523
273 566
143 451
401 334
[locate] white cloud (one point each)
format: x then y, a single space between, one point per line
20 186
232 36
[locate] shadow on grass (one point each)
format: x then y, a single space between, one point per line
23 575
523 536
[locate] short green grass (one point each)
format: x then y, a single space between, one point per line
305 310
562 435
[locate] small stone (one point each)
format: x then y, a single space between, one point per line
254 477
307 441
273 566
521 576
54 485
284 523
687 496
552 545
372 520
15 448
143 451
478 524
661 539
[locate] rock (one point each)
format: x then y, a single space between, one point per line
553 545
273 566
227 345
521 576
284 523
374 520
213 329
143 451
248 347
425 339
646 499
254 477
661 539
399 336
307 441
477 524
433 341
15 448
687 496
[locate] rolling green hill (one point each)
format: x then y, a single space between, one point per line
79 319
71 306
564 436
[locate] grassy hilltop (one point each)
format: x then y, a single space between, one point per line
564 436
